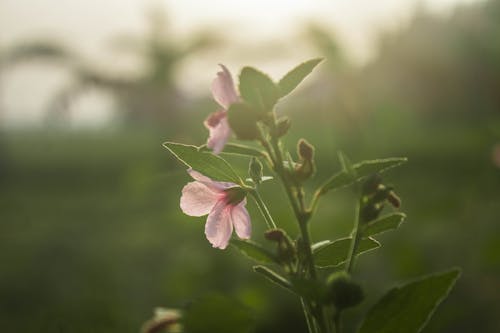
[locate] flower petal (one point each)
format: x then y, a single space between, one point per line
213 185
197 199
241 220
219 228
223 89
219 131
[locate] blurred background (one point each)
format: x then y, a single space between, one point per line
91 234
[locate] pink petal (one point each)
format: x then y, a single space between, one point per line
219 228
213 185
219 131
197 199
241 220
223 89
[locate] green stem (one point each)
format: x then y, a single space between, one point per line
315 317
309 318
315 201
263 209
356 236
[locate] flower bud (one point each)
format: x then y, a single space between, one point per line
286 252
394 199
282 127
255 170
305 150
371 184
343 292
306 167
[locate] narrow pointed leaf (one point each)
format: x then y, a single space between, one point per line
293 78
335 252
258 90
383 224
254 251
360 171
368 168
273 277
316 246
408 308
207 163
346 164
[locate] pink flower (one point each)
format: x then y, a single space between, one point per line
224 203
224 93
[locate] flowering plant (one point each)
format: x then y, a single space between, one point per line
296 264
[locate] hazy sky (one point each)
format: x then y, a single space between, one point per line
88 25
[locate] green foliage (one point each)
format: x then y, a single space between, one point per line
273 277
360 171
410 306
216 313
334 253
258 90
314 290
346 164
207 163
383 224
253 251
293 78
243 121
237 149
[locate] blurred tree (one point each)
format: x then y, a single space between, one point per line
440 65
150 97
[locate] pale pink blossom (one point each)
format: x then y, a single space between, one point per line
224 203
224 93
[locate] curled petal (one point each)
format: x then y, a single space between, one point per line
213 185
197 199
219 228
223 89
241 220
219 131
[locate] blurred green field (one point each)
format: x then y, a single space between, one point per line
92 237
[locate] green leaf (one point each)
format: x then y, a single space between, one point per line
360 171
254 251
409 306
319 245
258 90
368 168
216 313
313 290
383 224
335 252
243 121
293 78
206 163
237 149
273 277
346 163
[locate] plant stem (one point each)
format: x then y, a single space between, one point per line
355 241
309 319
263 209
317 322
